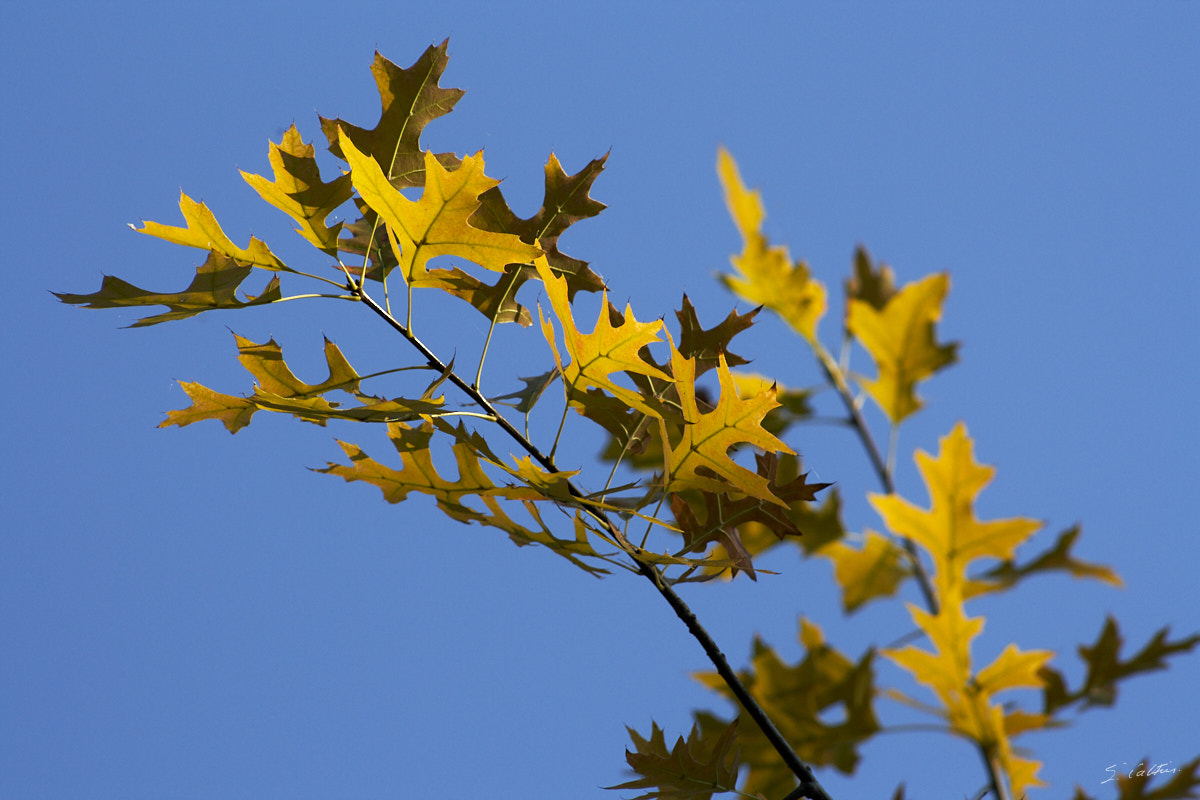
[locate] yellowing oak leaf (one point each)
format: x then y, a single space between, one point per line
968 698
949 530
700 458
203 231
278 389
901 340
411 99
875 570
300 193
214 286
766 275
614 345
435 225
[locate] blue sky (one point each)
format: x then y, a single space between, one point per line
189 614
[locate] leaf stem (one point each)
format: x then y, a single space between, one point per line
809 786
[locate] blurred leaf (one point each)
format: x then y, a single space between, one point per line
1105 669
1059 557
766 275
801 699
949 530
873 286
875 570
901 339
695 769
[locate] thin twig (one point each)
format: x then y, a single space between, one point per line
834 373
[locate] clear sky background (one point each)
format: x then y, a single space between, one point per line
187 614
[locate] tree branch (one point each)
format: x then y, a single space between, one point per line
809 786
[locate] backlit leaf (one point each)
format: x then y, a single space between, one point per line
436 225
214 286
700 458
299 192
611 347
766 275
278 389
875 570
949 530
901 339
411 99
202 231
968 698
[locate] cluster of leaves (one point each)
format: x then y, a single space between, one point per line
697 481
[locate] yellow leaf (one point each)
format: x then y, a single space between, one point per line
949 529
706 438
435 225
607 349
300 193
901 340
967 698
876 570
203 231
766 275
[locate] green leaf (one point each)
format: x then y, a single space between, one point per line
802 699
1057 558
695 768
214 286
1105 668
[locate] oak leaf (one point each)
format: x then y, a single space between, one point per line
202 231
901 339
214 286
435 225
968 697
613 346
299 192
706 345
700 458
801 699
706 762
766 275
278 389
875 570
1106 668
1058 557
411 99
949 530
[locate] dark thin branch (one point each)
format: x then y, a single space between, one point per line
809 787
885 476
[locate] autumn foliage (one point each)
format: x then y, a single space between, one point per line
697 478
